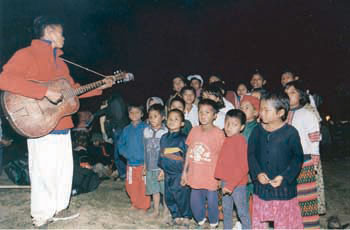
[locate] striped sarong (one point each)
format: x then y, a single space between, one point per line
307 196
320 189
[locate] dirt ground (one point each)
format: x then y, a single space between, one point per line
108 206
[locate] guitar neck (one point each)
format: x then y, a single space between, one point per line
120 77
86 88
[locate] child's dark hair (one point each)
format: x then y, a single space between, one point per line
157 107
216 91
263 92
279 101
237 113
217 76
242 83
195 79
185 88
287 71
181 77
220 85
258 72
179 99
140 107
209 102
299 87
178 112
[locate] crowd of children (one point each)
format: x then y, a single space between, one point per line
258 149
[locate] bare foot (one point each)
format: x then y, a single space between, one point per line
178 221
141 212
165 212
132 208
154 214
166 218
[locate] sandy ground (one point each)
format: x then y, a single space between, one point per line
108 206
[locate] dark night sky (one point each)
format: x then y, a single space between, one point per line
158 39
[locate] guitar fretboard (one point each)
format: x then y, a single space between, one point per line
86 88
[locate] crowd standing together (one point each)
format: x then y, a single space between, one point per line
203 152
208 151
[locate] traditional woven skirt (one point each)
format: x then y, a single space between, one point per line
320 189
285 214
307 196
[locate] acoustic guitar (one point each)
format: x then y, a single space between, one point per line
36 118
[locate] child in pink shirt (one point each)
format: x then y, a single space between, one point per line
204 144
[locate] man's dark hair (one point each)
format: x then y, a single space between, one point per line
157 107
280 101
41 22
209 102
237 113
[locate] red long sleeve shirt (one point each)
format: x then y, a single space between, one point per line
37 62
232 165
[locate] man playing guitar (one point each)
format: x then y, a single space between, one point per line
50 156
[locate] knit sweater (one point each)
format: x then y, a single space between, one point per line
277 153
232 164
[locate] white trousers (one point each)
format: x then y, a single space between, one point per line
51 174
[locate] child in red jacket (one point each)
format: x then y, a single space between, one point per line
232 170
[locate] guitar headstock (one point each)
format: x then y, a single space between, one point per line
121 76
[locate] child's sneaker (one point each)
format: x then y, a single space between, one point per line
202 222
214 226
238 226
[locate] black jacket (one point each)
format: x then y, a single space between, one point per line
275 153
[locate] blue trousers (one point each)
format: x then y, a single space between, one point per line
198 202
120 161
239 198
177 197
